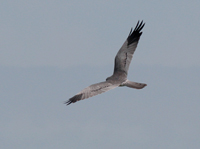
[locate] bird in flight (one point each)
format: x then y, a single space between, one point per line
119 77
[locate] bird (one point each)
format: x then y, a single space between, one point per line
121 66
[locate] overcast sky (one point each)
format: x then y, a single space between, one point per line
50 50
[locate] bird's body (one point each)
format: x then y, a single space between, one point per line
119 77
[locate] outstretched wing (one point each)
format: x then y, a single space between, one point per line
125 54
92 90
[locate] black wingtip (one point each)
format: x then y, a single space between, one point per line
130 31
135 34
74 99
139 28
68 102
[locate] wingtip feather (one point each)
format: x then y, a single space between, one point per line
74 99
68 102
135 34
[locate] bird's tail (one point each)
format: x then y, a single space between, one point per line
134 84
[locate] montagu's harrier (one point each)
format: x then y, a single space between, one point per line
119 77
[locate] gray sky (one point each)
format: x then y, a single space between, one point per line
50 50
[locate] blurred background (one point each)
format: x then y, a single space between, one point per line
50 50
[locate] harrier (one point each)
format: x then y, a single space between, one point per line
119 77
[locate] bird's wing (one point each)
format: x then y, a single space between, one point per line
92 90
125 54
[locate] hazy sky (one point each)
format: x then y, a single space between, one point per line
50 50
